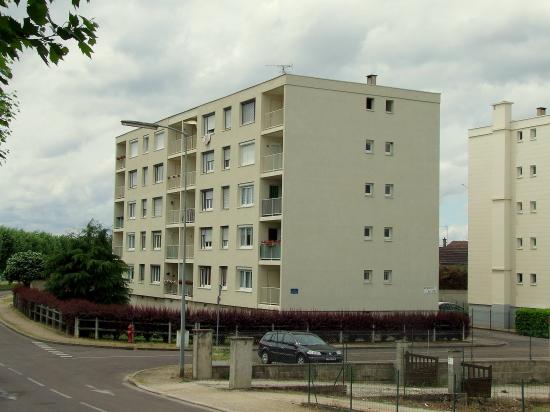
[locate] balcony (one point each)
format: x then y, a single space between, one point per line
270 296
120 162
117 250
119 222
171 288
272 163
272 207
174 252
175 217
176 181
270 250
119 192
174 146
274 118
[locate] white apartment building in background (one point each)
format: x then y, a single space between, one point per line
509 232
303 193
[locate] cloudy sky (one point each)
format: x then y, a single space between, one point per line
153 62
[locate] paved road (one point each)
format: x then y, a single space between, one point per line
36 376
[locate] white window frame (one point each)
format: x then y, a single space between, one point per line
533 242
226 157
158 173
225 197
143 208
367 232
533 134
227 118
388 276
143 239
244 109
388 237
208 161
155 274
144 175
209 123
156 239
247 161
133 146
519 136
141 273
519 243
519 208
533 206
130 273
160 140
367 276
132 210
371 187
533 279
369 101
519 278
145 147
519 172
390 146
369 143
533 170
157 206
207 200
246 195
244 274
388 193
224 237
389 106
132 179
206 238
131 241
223 277
205 277
245 232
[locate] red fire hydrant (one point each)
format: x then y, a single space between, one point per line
130 333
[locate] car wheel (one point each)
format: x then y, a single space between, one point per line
265 358
301 359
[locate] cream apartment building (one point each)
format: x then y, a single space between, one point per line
509 230
303 193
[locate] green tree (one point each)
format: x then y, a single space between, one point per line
39 32
88 269
25 267
453 277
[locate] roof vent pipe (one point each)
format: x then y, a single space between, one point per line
371 79
541 111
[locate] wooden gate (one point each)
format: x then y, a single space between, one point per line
477 380
420 370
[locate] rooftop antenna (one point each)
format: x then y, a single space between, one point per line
284 67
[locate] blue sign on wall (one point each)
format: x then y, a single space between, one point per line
294 291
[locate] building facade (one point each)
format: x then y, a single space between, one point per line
302 193
508 227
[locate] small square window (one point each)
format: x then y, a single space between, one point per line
519 136
156 238
389 148
367 276
533 170
533 134
369 146
519 172
370 103
389 106
248 112
158 172
367 232
533 279
533 206
388 234
388 274
133 148
131 241
132 179
519 207
388 190
208 161
369 189
519 278
533 242
519 243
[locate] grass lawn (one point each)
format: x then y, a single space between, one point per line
6 285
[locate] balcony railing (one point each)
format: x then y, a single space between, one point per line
119 222
175 217
272 207
270 250
120 163
176 181
270 296
174 146
170 287
274 118
174 252
272 163
117 250
119 192
174 289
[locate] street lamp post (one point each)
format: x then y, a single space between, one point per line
154 126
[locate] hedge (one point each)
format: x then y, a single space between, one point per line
532 322
254 321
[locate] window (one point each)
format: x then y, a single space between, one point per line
159 140
245 278
533 279
519 172
389 106
388 274
519 207
208 123
533 134
226 157
141 277
369 189
145 143
131 210
388 233
533 170
158 171
519 136
533 242
223 277
205 276
225 197
367 232
206 238
131 241
157 206
389 148
157 239
370 103
388 190
227 118
155 273
132 179
245 237
208 161
224 234
130 273
133 148
143 240
533 206
367 276
369 146
519 243
143 207
247 155
519 278
144 175
248 112
207 198
246 195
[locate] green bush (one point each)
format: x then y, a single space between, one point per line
532 322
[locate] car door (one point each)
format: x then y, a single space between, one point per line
275 347
288 348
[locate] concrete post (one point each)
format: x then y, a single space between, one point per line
454 371
76 327
240 363
202 354
96 329
400 349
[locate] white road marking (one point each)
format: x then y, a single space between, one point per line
15 371
2 365
7 395
51 350
102 391
65 356
60 393
35 382
95 408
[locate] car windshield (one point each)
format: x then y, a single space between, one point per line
309 340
